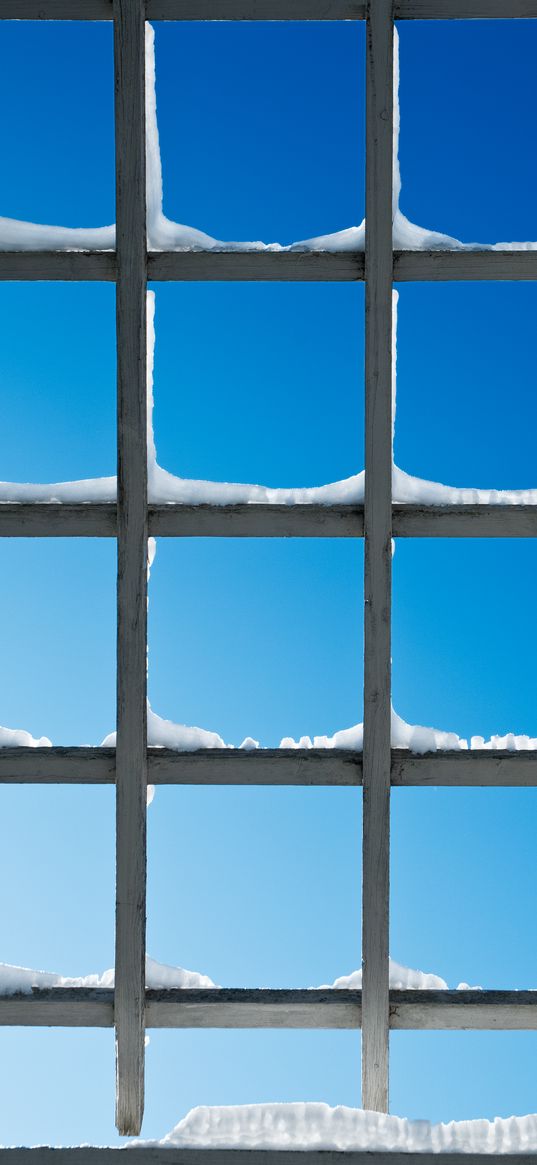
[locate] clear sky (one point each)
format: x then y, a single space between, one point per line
262 132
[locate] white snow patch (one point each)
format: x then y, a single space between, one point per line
351 738
165 734
22 980
415 737
92 489
418 491
19 738
401 978
318 1126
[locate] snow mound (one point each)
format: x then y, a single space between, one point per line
165 734
401 978
417 491
22 980
19 738
351 738
417 738
318 1126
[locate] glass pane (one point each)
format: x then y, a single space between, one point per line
58 141
57 376
467 162
59 638
260 383
262 127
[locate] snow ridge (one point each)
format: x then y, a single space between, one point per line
22 980
318 1126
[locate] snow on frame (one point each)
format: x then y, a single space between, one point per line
417 738
22 980
316 1125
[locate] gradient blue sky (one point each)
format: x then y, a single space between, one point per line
262 130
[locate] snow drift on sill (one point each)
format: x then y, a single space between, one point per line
166 488
400 978
164 234
417 738
17 980
19 738
21 980
316 1125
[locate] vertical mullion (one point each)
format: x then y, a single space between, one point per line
377 530
131 748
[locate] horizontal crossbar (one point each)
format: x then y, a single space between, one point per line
98 520
265 1008
269 9
271 766
148 1155
271 266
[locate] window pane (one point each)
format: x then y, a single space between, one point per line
58 141
464 641
57 376
262 127
257 637
467 384
467 162
444 1076
259 383
256 887
59 638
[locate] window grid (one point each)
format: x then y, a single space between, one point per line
376 1009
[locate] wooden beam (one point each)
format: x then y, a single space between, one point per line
271 266
342 1009
56 10
167 1155
187 9
58 520
254 1008
131 752
378 557
270 9
465 9
258 1008
326 767
469 521
267 766
479 768
98 520
412 266
57 766
256 520
463 1010
266 266
482 768
58 265
58 1007
256 9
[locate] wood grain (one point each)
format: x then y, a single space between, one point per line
132 533
377 528
276 1009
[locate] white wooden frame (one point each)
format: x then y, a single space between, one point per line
131 1007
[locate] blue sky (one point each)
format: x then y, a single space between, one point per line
262 137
